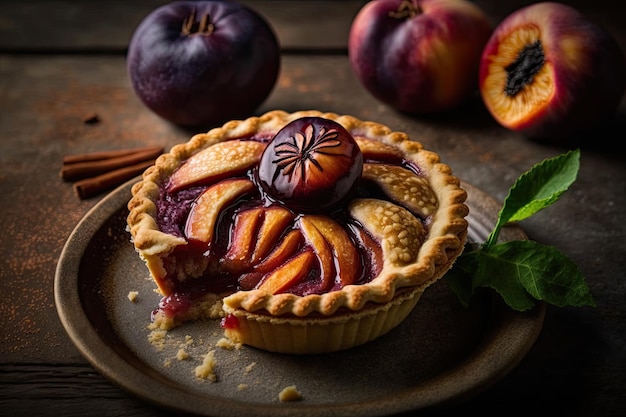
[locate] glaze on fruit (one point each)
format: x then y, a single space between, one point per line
311 164
286 213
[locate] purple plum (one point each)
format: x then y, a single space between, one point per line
200 63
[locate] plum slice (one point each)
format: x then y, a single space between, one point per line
323 251
256 232
206 210
275 221
327 249
221 160
337 253
247 222
294 271
283 251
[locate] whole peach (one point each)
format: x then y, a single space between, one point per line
548 72
418 56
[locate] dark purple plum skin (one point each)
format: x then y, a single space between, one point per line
203 79
327 182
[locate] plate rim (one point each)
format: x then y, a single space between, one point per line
160 391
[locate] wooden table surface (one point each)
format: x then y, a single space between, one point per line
61 61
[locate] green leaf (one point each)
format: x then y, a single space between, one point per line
537 189
501 275
526 269
523 271
459 278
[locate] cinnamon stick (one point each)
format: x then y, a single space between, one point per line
98 156
90 168
91 186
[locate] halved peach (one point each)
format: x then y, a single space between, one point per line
550 72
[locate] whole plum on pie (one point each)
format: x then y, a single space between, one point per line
311 164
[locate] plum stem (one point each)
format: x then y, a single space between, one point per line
191 26
406 9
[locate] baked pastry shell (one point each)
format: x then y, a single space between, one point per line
322 334
261 313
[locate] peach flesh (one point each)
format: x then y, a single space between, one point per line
578 85
519 87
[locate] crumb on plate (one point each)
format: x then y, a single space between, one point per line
157 338
249 367
206 370
228 344
182 354
289 393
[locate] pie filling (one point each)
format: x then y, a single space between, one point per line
245 229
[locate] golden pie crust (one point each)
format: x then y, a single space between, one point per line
416 253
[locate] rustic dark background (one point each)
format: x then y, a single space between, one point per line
61 61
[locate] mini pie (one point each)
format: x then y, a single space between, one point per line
303 232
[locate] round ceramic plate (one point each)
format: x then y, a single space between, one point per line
441 354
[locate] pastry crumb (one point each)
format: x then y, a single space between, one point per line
249 367
132 296
157 338
289 393
163 322
242 387
207 369
228 344
182 354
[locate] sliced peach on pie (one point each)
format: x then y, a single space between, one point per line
287 248
404 187
399 232
325 233
255 232
219 161
374 149
243 239
322 249
206 210
292 272
372 252
275 222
